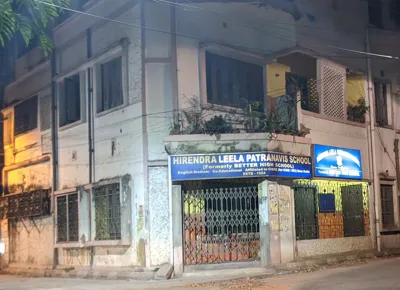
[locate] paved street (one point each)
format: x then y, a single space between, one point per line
382 274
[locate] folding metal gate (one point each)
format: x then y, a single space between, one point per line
220 224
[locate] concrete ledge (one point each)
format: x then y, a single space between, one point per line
236 137
325 260
244 272
84 272
213 272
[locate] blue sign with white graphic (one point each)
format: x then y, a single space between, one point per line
236 165
337 162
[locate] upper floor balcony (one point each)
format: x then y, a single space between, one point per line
249 97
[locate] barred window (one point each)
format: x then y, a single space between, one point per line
67 218
331 209
308 91
107 212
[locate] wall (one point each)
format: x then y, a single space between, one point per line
339 135
29 243
384 42
311 248
117 135
323 25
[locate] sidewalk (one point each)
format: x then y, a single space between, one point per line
140 274
372 273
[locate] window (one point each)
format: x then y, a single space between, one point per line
70 100
111 89
387 206
381 103
230 81
375 13
67 218
26 116
107 212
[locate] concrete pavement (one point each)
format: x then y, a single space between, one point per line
380 274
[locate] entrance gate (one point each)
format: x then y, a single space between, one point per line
220 223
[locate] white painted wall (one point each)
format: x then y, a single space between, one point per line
123 126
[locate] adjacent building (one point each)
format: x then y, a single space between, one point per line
201 133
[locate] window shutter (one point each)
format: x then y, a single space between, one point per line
332 89
45 113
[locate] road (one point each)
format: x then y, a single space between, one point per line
380 274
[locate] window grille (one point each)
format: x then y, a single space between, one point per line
107 212
67 218
333 92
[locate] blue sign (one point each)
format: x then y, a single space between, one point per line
232 165
337 162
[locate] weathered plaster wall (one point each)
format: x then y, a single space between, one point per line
251 142
310 248
5 259
390 241
160 244
117 135
31 242
29 85
35 176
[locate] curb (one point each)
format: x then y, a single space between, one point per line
82 273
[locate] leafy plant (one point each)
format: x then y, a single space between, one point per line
175 129
193 117
29 19
356 112
217 125
252 116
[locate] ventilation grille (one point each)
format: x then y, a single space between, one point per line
333 92
45 113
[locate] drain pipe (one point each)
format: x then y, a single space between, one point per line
54 148
375 177
397 160
90 127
